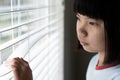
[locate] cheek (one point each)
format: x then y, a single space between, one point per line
99 42
77 25
77 29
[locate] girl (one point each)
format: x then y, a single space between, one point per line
97 29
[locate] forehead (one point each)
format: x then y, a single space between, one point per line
86 18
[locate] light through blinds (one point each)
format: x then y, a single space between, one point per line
33 29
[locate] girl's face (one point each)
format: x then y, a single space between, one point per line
90 33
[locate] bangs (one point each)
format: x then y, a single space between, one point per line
90 8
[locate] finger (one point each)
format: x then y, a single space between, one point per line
24 62
11 61
12 64
17 61
21 63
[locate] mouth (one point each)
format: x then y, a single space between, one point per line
83 43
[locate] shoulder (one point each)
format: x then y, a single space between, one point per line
91 66
117 76
93 61
116 73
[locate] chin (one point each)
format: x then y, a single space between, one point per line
90 50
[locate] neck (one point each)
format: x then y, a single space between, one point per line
101 58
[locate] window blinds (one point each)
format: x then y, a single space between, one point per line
34 30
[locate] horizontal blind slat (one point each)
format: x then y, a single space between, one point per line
54 65
40 63
28 22
39 58
14 41
51 46
42 47
7 10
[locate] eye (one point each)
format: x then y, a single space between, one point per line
93 23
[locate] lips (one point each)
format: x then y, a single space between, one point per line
83 43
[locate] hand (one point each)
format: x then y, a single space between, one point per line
20 68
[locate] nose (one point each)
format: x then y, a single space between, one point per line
82 33
81 30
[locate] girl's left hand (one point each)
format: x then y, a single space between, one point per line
20 68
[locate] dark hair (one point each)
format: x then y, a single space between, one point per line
109 12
